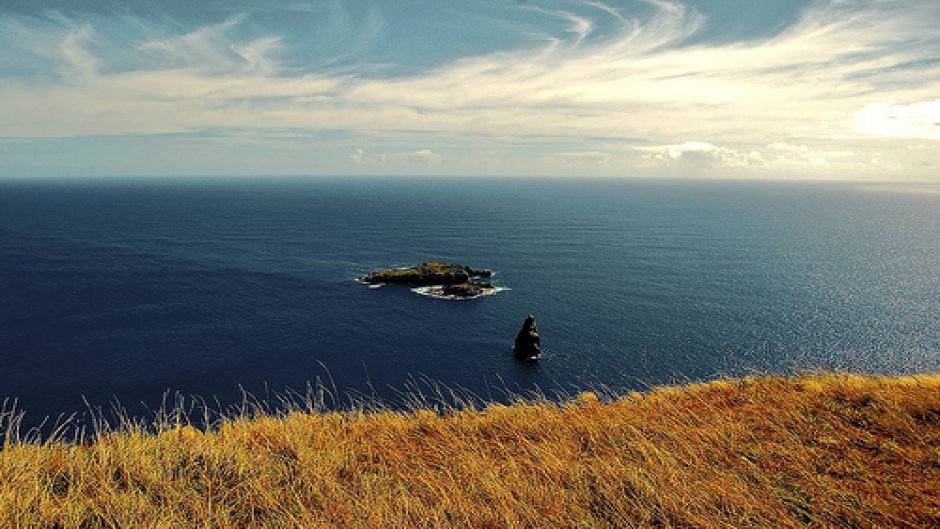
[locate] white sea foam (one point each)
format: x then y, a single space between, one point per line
429 292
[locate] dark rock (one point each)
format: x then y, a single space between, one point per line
527 341
466 290
479 273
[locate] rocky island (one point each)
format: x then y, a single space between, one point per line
437 279
527 346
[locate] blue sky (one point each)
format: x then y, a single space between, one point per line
830 89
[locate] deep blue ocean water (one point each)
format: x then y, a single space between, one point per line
126 288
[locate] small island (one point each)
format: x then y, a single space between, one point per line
437 279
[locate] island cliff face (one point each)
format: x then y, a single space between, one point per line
436 279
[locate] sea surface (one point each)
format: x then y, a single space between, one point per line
123 289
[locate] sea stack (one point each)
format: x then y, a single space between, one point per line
527 341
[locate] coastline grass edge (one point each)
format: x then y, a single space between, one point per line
823 449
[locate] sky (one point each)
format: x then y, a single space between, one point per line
828 89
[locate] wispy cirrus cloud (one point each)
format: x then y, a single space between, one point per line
846 77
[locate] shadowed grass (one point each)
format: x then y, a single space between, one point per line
824 450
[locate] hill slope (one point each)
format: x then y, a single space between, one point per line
828 450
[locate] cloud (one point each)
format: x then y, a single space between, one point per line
701 154
918 120
421 157
358 156
822 81
786 154
775 157
789 148
587 158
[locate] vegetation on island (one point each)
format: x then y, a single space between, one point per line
425 274
828 450
449 280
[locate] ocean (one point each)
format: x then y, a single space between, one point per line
124 289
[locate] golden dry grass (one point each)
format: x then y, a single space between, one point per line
823 451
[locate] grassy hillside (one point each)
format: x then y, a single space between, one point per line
829 450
